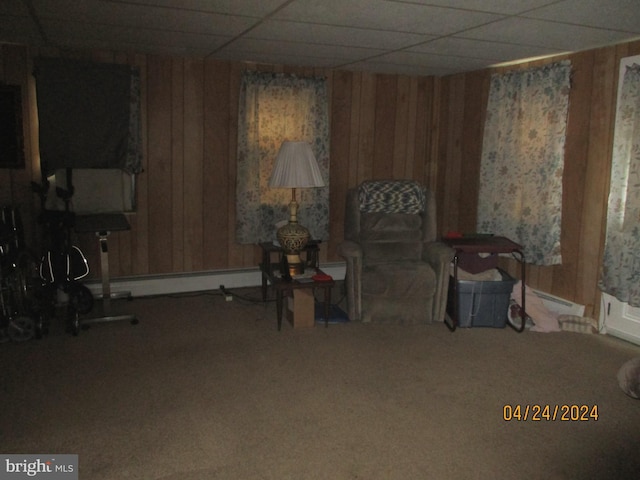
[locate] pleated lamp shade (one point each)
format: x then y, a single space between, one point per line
296 167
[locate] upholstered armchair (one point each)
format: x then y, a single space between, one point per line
396 269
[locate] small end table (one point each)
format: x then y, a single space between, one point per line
271 276
485 244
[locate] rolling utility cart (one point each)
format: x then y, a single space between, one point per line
103 224
469 248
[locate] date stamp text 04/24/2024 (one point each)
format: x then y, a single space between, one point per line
571 412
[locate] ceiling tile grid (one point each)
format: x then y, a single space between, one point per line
414 37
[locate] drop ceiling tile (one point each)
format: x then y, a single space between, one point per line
621 15
496 51
540 33
431 60
384 15
300 49
509 7
130 15
335 35
253 8
70 34
277 58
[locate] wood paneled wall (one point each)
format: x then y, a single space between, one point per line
382 126
588 149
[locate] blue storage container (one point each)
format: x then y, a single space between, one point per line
482 303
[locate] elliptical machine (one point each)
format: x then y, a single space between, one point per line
63 264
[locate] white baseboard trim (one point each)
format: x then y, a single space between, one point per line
150 285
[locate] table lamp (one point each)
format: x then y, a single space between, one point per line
295 167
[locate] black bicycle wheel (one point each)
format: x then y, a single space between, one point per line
26 282
81 298
21 329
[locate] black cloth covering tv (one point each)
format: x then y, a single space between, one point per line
85 115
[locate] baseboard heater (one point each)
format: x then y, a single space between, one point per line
150 285
560 305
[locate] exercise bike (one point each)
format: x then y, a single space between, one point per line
63 264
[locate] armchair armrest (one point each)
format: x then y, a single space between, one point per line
350 250
439 256
437 253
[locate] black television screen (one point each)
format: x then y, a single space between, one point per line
11 134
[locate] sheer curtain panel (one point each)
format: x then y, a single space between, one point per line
621 262
520 194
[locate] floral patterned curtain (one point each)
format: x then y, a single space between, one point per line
523 159
621 264
274 108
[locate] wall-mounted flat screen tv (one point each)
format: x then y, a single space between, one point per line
11 133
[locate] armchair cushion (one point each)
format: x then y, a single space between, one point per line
399 280
385 227
390 237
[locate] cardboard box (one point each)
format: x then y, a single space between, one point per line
300 308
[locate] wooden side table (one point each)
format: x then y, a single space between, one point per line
485 244
283 287
269 267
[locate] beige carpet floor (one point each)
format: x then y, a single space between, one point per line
207 389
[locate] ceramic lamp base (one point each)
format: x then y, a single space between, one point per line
293 237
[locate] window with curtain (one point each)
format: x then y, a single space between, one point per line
621 262
520 194
275 107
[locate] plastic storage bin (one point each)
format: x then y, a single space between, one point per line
482 303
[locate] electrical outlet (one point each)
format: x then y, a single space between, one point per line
227 295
